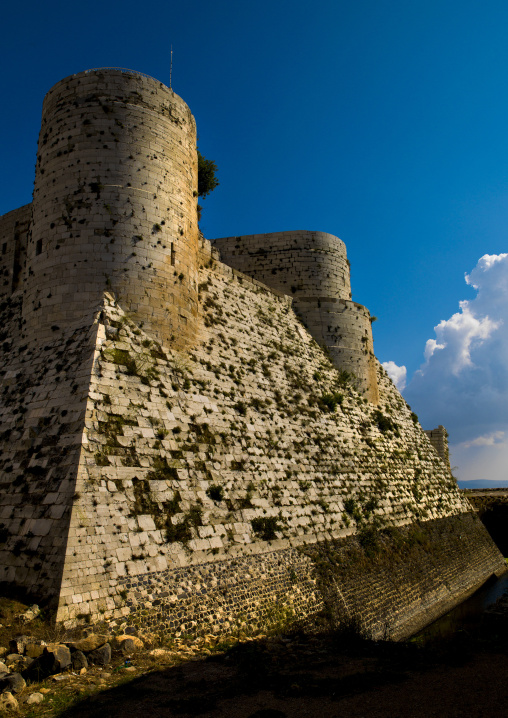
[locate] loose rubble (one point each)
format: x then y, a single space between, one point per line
33 671
8 702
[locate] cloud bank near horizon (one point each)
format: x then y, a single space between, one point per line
463 383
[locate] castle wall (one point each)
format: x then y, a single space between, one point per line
345 329
204 477
176 448
299 263
203 491
313 269
42 413
114 206
14 228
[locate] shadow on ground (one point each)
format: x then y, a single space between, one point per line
328 676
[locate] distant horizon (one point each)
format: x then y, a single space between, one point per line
483 484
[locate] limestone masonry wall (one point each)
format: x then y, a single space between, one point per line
42 412
312 268
204 478
177 448
299 264
114 206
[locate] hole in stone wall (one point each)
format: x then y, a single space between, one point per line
172 254
38 246
4 248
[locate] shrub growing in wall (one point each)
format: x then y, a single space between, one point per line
207 179
265 527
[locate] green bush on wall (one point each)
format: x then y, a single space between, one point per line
265 527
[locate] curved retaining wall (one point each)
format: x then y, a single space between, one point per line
345 329
312 268
114 206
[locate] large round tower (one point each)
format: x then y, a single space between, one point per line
114 207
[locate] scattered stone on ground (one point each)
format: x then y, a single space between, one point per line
8 702
100 656
34 698
328 674
79 660
29 615
14 683
90 642
128 643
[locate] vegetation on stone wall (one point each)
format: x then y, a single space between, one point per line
207 178
419 554
251 438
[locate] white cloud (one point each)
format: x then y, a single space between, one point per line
430 348
460 334
495 438
484 263
396 373
463 383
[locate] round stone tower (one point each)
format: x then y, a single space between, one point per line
313 269
114 207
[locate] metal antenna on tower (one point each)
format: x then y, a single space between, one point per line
171 69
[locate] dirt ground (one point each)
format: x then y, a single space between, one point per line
324 676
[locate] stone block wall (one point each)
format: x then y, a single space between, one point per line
399 581
345 329
187 489
114 206
297 263
42 412
228 451
176 448
313 269
14 227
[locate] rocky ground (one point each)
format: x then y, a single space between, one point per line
328 675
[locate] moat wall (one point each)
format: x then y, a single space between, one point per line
181 451
214 489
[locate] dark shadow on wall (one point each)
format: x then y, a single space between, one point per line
495 520
492 509
43 402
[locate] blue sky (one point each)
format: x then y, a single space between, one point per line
383 123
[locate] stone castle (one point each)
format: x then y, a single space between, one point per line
197 435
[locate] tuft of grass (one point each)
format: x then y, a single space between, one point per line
329 402
265 527
123 358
